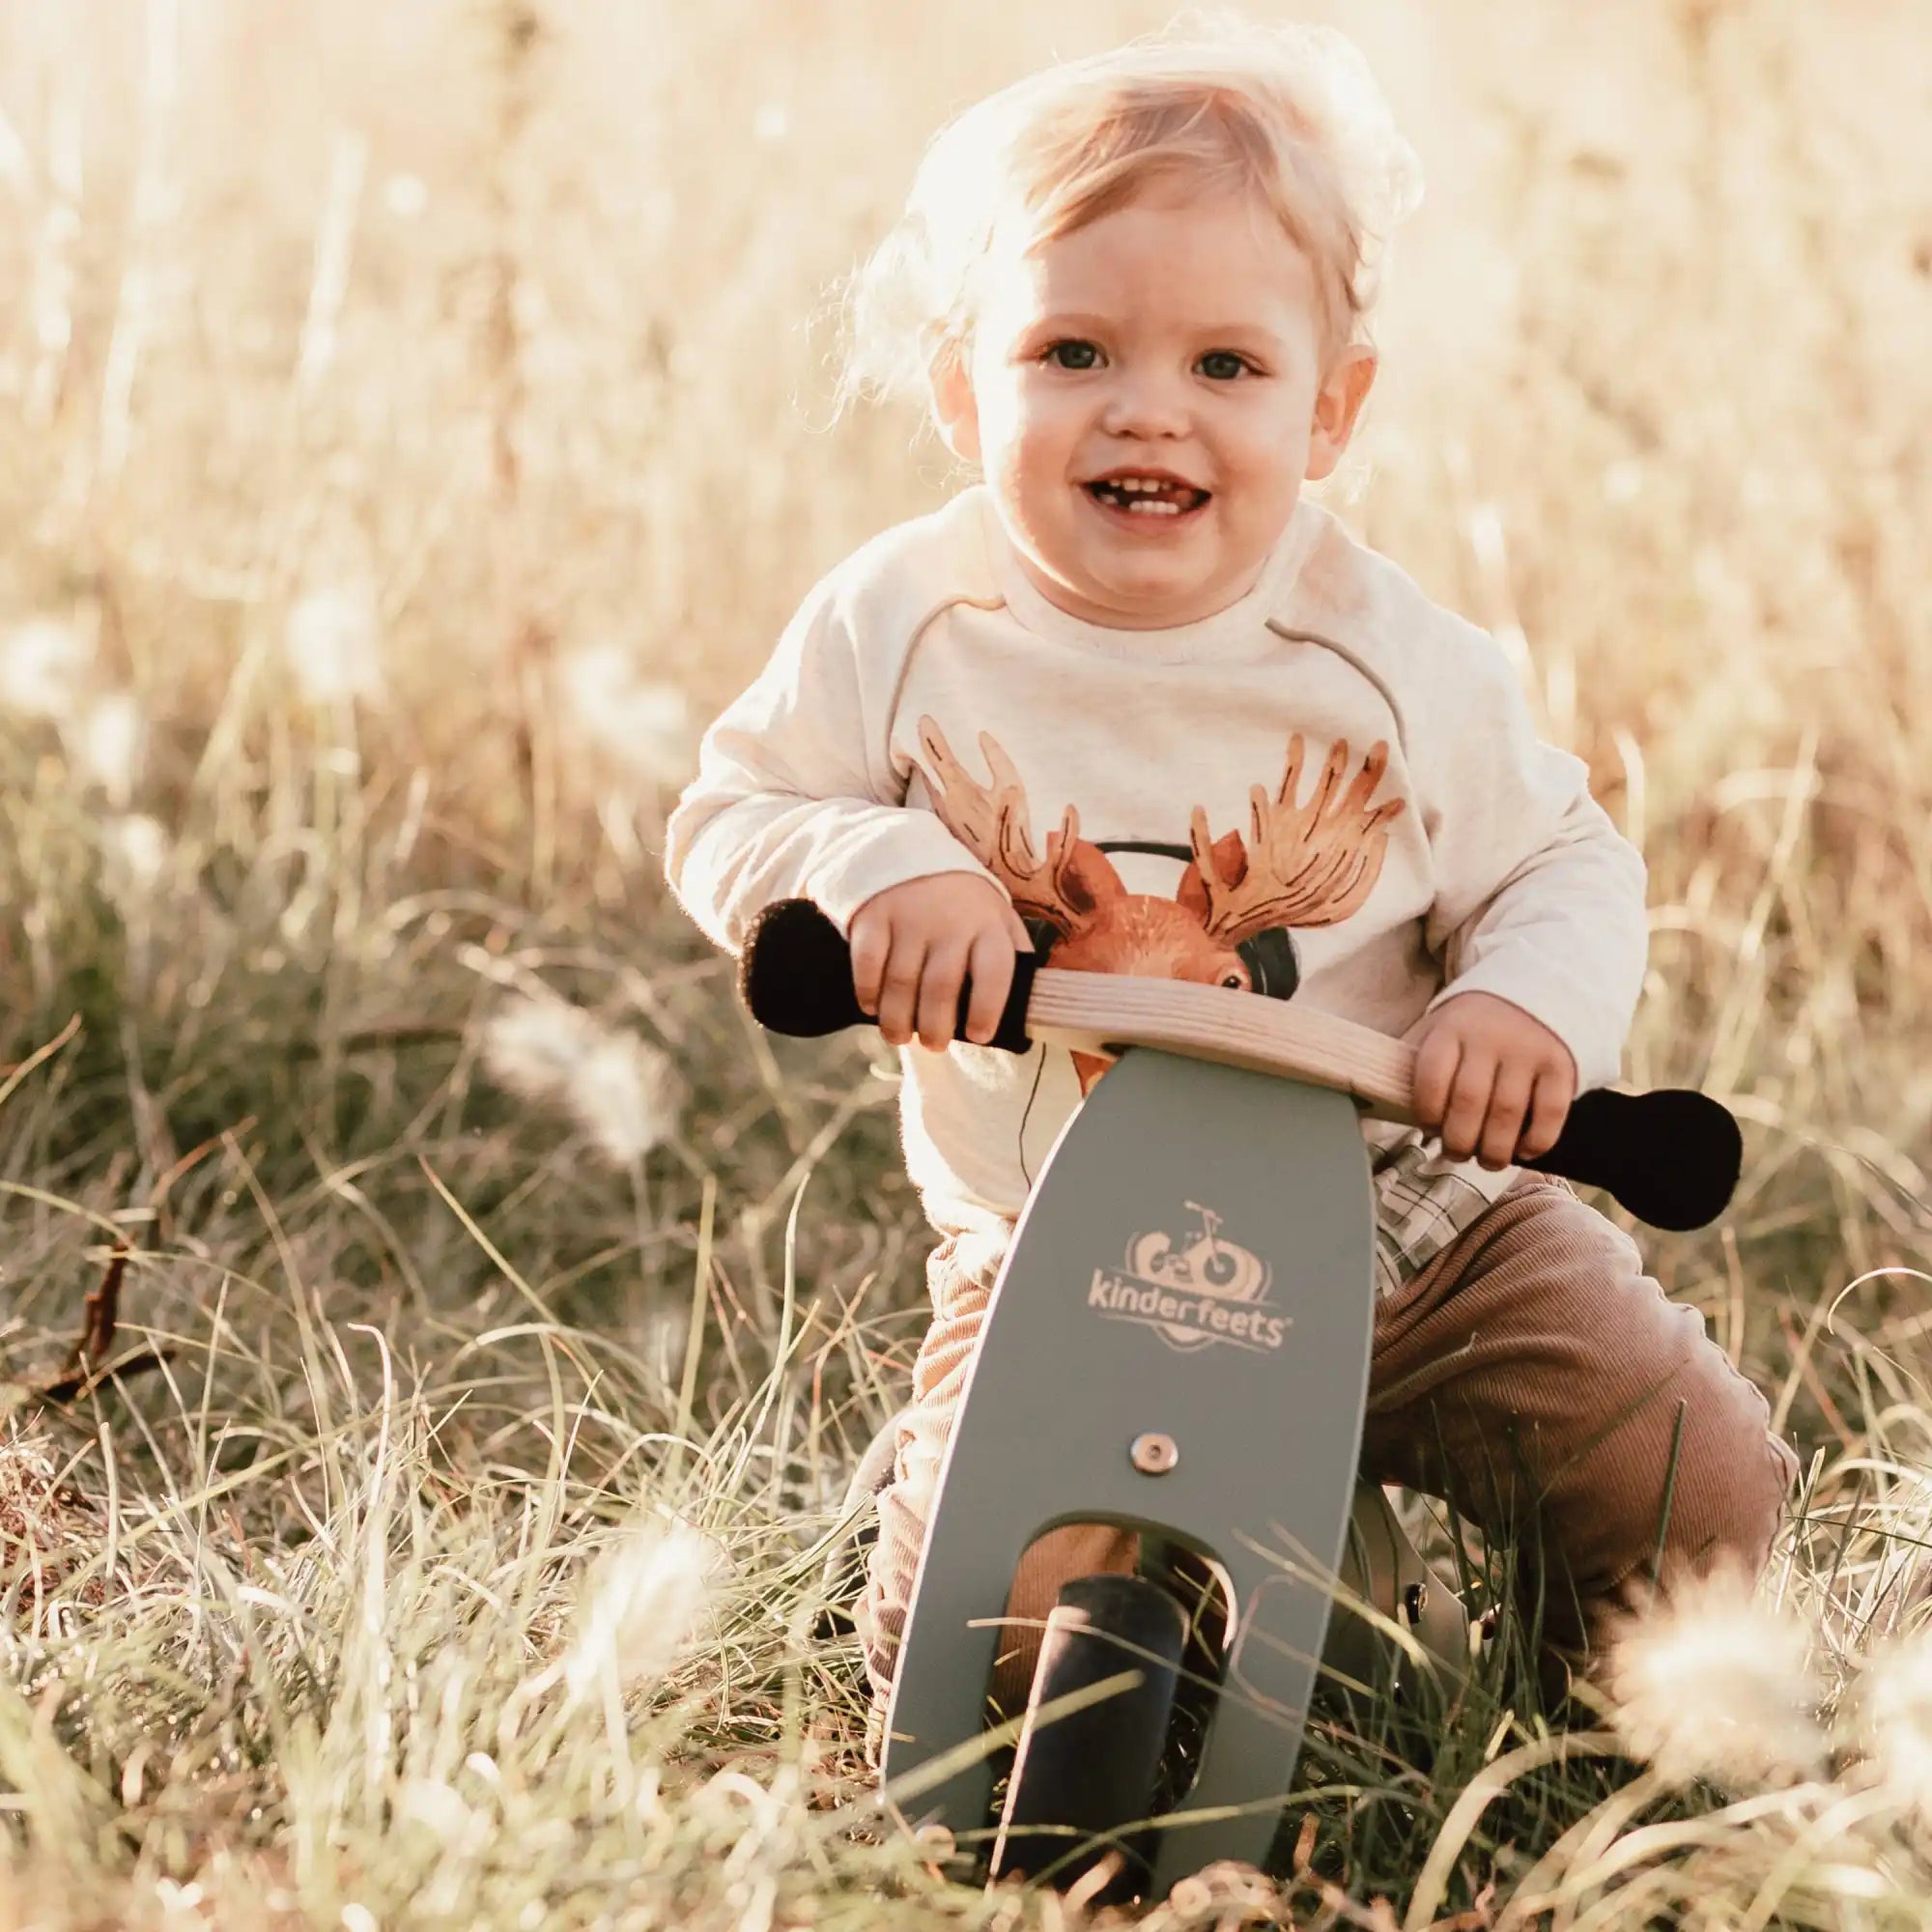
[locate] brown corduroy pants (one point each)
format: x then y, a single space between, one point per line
1532 1375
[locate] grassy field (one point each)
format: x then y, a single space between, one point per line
436 1327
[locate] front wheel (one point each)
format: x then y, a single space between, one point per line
1084 1777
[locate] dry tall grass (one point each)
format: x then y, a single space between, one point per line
413 427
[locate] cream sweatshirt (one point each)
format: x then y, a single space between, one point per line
1356 765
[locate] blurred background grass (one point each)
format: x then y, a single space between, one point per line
416 422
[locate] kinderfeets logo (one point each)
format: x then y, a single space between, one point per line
1192 1291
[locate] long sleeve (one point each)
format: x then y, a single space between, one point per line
796 794
1539 899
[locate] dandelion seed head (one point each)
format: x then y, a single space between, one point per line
1895 1710
43 663
642 1602
534 1047
333 641
1720 1686
624 1094
104 746
135 854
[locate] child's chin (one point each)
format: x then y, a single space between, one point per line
1150 597
1158 575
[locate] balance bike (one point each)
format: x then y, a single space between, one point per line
1179 1344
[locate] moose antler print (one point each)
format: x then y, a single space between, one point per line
1302 865
993 823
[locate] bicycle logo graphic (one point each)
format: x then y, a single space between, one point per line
1193 1290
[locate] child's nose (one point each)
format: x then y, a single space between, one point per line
1144 406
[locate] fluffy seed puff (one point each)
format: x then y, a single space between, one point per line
624 1094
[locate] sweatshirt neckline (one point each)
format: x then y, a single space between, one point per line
1239 631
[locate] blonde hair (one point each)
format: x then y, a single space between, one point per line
1290 115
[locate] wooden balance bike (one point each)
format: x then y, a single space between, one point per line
1179 1344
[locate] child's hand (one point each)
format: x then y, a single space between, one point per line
1483 1064
915 944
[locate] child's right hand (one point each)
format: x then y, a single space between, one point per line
915 945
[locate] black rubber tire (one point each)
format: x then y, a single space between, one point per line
1081 1779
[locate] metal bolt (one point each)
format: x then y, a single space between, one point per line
1154 1453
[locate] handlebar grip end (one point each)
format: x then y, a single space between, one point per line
795 975
1672 1156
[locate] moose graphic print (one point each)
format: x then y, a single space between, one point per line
1302 862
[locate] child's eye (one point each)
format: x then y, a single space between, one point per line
1071 355
1222 365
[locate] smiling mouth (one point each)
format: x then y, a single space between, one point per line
1147 498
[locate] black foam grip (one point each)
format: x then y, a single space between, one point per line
1671 1157
796 977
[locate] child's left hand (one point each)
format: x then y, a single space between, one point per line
1481 1066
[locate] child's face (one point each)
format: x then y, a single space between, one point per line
1178 339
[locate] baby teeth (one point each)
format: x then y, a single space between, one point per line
1140 495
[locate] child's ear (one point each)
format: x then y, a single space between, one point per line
1338 402
953 409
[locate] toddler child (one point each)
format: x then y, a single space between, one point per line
1132 699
